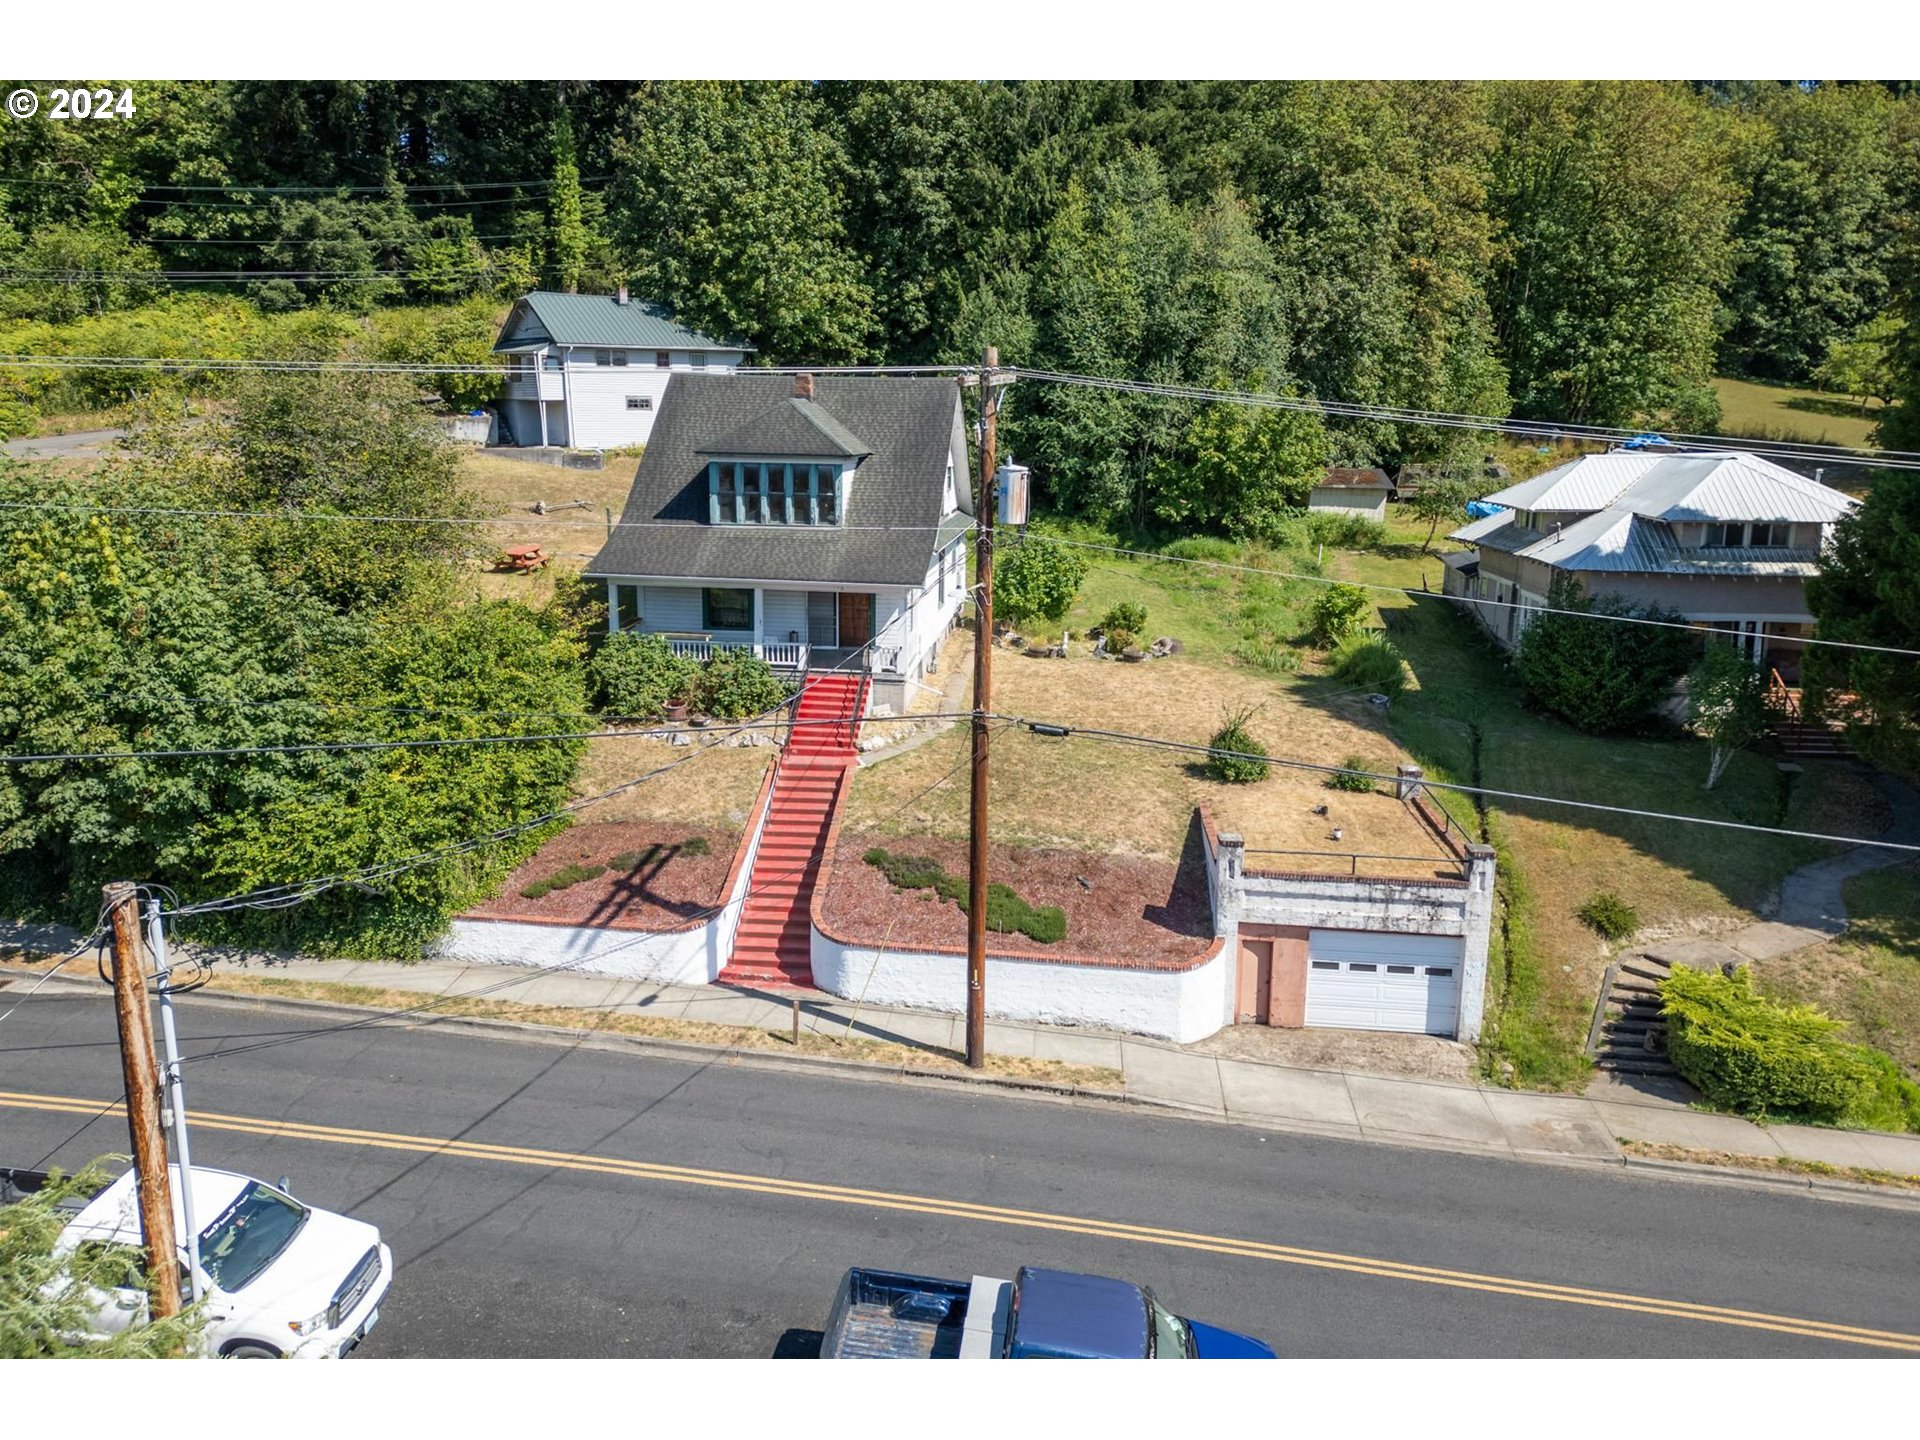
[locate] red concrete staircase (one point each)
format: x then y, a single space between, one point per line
773 948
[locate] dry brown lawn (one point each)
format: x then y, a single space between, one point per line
1125 799
716 789
733 1037
510 487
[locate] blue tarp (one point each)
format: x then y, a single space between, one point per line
1481 509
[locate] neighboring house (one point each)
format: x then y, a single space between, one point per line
1725 538
815 523
1352 492
590 371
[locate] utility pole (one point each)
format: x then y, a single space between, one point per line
985 501
176 1091
143 1100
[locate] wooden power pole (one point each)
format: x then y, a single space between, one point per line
143 1100
985 501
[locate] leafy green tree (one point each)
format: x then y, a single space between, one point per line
1036 579
1616 201
48 1311
1811 236
566 229
1868 593
730 200
1598 674
1863 365
85 269
1337 612
1240 471
441 335
1726 703
1444 497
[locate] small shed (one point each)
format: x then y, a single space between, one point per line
1352 492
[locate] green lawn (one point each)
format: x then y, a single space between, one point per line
1869 977
1785 412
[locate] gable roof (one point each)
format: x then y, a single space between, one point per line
793 429
603 320
1345 478
1725 485
908 428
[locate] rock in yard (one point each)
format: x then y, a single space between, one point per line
680 737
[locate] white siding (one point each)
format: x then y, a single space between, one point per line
783 611
597 394
1339 500
669 607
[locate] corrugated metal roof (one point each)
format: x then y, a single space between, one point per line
1728 485
603 320
1341 478
1617 541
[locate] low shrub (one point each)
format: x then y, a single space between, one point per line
736 684
1337 613
1007 912
1370 662
565 876
1275 659
1203 547
1127 616
1342 780
1747 1054
635 676
1609 917
1239 768
1118 638
695 845
1350 532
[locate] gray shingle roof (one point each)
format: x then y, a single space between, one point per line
893 522
792 429
602 320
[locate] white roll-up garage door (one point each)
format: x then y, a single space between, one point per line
1368 980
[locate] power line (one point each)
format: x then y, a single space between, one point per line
1122 737
242 188
1354 410
223 277
438 742
963 373
1693 627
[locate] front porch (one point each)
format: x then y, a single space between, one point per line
796 656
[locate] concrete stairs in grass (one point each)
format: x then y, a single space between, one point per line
1629 1034
773 946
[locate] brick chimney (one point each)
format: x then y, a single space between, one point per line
621 298
803 387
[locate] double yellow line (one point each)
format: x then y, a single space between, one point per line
1022 1219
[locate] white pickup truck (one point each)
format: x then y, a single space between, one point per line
279 1278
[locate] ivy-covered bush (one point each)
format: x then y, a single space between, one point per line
1239 767
736 684
1745 1053
636 676
1337 612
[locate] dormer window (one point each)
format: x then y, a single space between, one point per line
775 492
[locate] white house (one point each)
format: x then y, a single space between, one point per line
591 371
816 522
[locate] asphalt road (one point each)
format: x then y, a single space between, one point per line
708 1208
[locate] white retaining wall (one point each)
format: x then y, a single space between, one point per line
674 957
1181 1005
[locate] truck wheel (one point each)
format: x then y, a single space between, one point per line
248 1350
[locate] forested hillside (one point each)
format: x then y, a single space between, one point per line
1566 251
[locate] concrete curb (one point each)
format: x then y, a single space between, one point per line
1845 1191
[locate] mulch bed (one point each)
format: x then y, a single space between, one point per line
666 891
1129 909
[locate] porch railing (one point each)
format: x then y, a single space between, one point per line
782 655
1322 862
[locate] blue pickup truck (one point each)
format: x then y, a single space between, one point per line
1038 1315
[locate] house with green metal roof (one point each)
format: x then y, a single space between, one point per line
590 372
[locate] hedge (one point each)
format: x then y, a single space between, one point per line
1747 1054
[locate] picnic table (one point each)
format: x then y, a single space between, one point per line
522 558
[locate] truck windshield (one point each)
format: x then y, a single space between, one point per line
249 1236
1170 1337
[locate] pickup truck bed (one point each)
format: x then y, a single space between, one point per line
884 1315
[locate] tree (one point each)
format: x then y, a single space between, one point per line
48 1309
1240 470
1337 612
566 231
730 200
1811 236
1596 672
1868 593
1443 497
1036 579
1727 703
1863 365
1616 200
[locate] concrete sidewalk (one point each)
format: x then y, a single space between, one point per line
1322 1102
